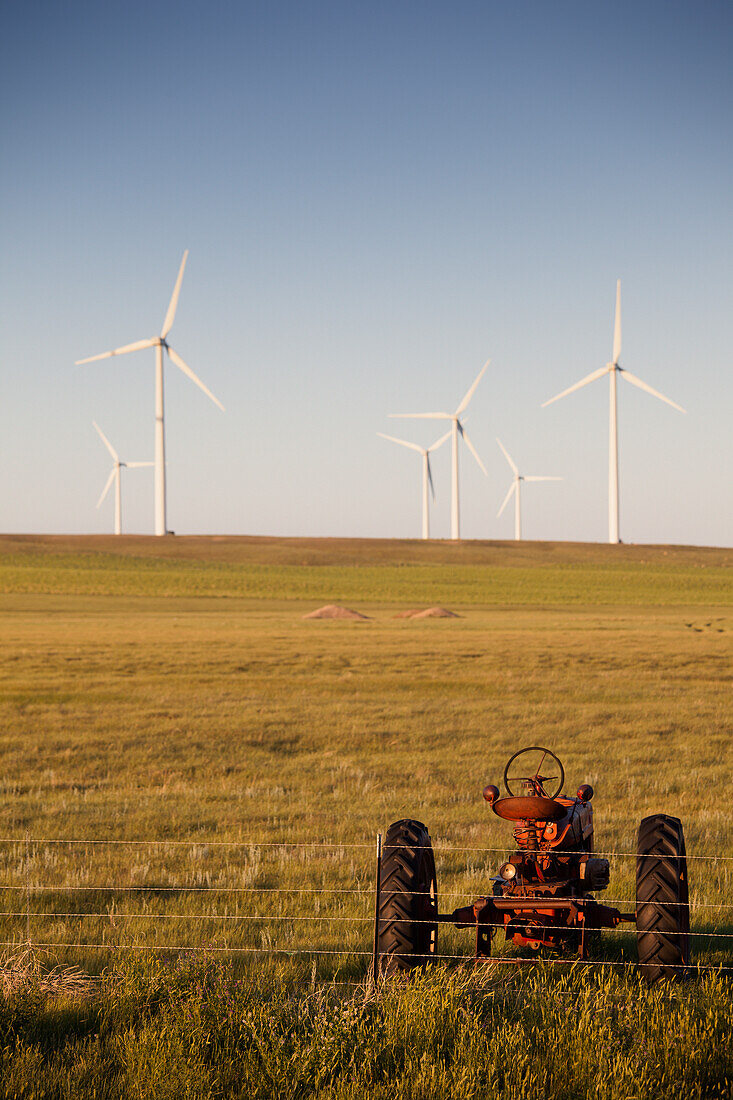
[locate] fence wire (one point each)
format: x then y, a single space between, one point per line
34 891
327 844
349 953
319 917
338 890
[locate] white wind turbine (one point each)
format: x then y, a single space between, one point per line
115 476
613 369
456 430
160 342
427 476
515 488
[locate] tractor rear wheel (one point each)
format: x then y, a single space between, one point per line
662 899
408 898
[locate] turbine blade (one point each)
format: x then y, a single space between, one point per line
507 498
137 346
617 324
110 479
420 416
505 452
472 389
643 386
170 315
544 478
106 442
473 450
403 443
430 477
138 465
583 382
194 378
439 442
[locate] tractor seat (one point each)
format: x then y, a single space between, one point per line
529 808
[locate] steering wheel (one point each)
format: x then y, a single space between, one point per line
528 772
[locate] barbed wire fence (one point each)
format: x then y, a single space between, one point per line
33 893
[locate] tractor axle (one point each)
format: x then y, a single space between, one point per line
534 921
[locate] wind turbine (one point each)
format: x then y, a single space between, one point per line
427 476
115 476
515 488
456 430
613 369
159 343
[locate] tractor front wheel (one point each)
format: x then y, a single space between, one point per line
662 899
408 898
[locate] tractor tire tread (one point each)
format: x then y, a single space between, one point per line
408 870
662 898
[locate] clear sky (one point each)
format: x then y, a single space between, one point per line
376 199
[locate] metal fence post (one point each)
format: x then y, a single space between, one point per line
377 890
27 887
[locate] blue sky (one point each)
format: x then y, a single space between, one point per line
376 199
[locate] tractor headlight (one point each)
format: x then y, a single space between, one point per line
507 870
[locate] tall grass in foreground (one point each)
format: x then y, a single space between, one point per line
188 1028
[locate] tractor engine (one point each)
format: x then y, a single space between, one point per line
542 894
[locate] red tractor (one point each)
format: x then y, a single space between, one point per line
542 897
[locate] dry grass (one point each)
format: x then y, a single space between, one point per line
24 971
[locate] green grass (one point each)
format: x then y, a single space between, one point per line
189 1028
170 691
467 574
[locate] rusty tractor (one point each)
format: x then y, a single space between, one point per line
542 898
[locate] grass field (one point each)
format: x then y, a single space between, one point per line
168 697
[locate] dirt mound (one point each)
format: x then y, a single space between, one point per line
333 611
408 614
435 613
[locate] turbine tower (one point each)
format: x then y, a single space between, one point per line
515 488
457 429
115 476
613 369
159 343
427 476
